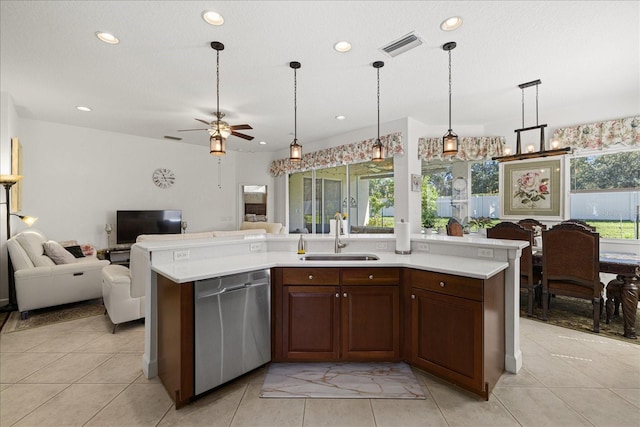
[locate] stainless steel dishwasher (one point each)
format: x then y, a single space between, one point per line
232 327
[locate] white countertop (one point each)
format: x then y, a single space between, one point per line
190 270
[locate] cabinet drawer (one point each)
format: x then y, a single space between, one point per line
448 284
370 276
311 276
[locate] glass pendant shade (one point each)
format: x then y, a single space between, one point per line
295 151
450 143
217 146
377 151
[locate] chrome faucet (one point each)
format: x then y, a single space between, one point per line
338 244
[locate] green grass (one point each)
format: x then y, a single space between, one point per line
606 229
614 229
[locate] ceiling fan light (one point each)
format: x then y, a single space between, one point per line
449 143
217 146
295 151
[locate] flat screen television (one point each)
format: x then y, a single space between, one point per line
131 224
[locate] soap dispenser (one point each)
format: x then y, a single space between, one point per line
302 245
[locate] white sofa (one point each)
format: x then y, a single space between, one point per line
42 283
123 289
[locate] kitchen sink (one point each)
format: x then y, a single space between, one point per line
339 257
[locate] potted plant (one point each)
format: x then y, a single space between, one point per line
481 224
428 223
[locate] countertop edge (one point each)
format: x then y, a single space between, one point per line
188 271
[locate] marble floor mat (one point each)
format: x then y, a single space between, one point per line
341 380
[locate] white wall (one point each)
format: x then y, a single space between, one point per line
253 169
76 178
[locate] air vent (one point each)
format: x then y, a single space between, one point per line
402 45
173 138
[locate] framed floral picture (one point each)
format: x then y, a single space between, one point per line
533 189
416 182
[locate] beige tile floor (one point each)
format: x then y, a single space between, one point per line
78 373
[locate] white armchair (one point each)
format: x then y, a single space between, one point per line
42 283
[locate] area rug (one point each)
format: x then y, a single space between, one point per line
51 315
577 314
341 380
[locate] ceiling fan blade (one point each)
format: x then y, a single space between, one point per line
187 130
242 135
241 127
203 121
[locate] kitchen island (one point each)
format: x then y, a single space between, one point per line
495 263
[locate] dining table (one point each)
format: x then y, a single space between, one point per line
626 267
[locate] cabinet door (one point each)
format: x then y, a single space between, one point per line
311 318
370 323
447 337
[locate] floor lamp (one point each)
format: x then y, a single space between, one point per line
7 182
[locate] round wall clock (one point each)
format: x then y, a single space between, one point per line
163 177
459 184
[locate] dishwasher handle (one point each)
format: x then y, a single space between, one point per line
258 283
205 294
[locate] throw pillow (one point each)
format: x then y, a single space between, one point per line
32 241
87 250
57 253
76 251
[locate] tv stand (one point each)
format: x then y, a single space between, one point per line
119 255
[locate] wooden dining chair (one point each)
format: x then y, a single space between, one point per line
579 222
571 267
529 223
454 228
529 278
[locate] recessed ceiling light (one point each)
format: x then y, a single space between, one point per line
451 24
343 46
107 37
212 18
263 142
81 108
341 117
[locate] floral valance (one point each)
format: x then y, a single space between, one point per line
337 156
469 148
601 135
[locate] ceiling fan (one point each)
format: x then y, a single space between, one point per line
222 127
219 130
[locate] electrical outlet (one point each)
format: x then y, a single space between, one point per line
255 247
423 247
381 245
180 255
486 253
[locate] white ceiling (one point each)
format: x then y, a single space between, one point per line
162 74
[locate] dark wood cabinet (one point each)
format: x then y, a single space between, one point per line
331 314
310 320
457 328
176 339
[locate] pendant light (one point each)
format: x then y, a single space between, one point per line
217 141
295 149
450 140
530 154
377 146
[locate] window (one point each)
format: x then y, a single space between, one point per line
363 192
485 184
436 193
605 192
